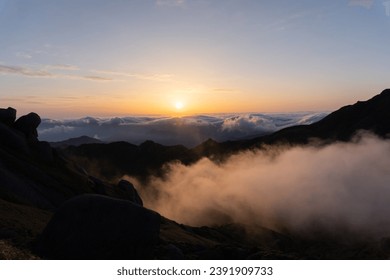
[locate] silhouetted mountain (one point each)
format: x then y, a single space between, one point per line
75 142
124 158
372 115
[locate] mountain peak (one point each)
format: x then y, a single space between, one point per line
384 95
371 115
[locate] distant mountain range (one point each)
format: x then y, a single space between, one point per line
146 159
77 141
93 214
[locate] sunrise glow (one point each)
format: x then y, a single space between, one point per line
179 105
64 60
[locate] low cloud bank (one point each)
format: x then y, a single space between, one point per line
189 131
338 188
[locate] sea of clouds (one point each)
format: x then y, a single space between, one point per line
189 131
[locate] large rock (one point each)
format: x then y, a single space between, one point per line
28 125
8 116
130 192
99 227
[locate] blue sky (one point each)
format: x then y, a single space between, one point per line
105 58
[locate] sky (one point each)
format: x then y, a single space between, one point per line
75 58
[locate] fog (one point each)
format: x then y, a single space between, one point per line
337 188
189 131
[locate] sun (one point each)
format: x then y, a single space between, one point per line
179 105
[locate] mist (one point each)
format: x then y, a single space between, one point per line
336 188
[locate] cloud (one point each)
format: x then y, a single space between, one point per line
23 55
57 129
248 123
171 3
284 23
63 67
95 78
6 69
150 77
362 3
339 188
256 123
189 131
44 73
54 71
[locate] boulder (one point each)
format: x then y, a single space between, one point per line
8 116
130 191
28 125
99 227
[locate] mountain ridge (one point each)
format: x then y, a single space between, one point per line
76 141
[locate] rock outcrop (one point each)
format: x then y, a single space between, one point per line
30 173
28 124
8 116
99 227
22 135
10 136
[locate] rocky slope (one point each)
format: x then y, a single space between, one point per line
35 181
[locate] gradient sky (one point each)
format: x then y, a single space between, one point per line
71 58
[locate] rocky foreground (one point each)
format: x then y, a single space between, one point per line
55 205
